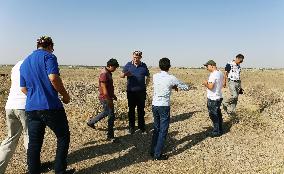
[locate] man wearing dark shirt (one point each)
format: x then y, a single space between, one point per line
106 97
136 72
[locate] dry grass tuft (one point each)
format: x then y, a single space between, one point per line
264 97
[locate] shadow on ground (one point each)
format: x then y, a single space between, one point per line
136 147
193 139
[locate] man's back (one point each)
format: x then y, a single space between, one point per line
16 98
163 84
34 76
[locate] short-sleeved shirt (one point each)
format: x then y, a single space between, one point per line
234 70
136 82
163 83
106 77
34 73
16 99
215 77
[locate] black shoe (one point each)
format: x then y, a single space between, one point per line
46 166
143 131
216 134
131 131
151 154
70 171
162 157
91 125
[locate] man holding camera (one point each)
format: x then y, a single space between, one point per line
232 73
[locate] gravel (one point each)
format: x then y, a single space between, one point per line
252 143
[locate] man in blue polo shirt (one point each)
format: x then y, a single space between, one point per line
138 78
40 81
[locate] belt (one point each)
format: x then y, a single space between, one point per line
235 80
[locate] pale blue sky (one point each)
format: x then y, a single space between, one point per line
189 32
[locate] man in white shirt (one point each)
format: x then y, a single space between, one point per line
163 84
233 73
15 118
214 86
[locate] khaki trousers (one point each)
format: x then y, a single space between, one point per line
16 124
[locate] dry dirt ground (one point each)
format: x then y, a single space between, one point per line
252 143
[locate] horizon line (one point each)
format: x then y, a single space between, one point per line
182 67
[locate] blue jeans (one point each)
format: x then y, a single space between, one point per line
161 125
107 111
215 114
56 120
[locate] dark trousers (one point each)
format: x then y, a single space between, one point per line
107 111
136 99
56 120
161 116
215 114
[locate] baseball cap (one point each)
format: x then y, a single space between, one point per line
210 62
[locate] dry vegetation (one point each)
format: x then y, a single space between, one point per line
253 142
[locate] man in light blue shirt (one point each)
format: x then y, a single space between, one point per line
163 84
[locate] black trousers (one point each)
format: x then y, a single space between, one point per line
136 98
